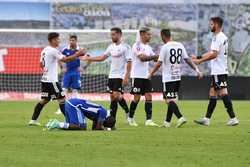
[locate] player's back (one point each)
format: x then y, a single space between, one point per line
171 56
74 65
89 109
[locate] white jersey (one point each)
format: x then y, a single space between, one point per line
140 69
49 59
120 55
171 55
219 64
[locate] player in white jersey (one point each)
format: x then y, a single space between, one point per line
171 55
120 53
219 71
51 89
141 85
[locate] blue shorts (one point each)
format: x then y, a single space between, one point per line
72 80
74 115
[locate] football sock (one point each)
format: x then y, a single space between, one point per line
148 109
228 105
37 111
211 106
113 108
124 105
173 106
169 114
133 106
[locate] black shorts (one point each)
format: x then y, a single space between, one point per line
52 90
219 82
141 86
115 84
171 89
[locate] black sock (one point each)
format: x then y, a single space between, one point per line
169 113
228 105
124 105
113 108
148 109
133 106
62 107
37 111
173 106
211 106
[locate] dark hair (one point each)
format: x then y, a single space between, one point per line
52 35
73 36
116 29
217 20
144 29
166 32
109 122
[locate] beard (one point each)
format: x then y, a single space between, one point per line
213 29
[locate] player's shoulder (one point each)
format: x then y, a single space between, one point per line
49 49
126 45
220 37
174 44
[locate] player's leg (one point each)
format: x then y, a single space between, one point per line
223 93
146 90
114 97
45 96
170 93
136 91
37 110
74 120
133 106
76 84
122 102
213 96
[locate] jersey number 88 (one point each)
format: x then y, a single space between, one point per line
175 56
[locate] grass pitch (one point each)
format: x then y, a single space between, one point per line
189 146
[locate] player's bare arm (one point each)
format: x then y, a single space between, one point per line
81 52
156 68
127 74
95 59
194 67
205 57
145 58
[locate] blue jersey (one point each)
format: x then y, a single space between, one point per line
71 66
84 109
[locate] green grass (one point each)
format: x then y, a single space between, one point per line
189 146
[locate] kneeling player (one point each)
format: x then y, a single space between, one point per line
75 112
170 58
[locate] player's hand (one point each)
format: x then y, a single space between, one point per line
200 75
81 52
125 81
149 76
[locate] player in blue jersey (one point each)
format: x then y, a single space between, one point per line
71 78
76 112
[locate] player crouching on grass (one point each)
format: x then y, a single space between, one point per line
75 112
170 58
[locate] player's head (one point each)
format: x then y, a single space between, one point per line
165 35
145 34
116 34
53 39
216 23
109 122
73 41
